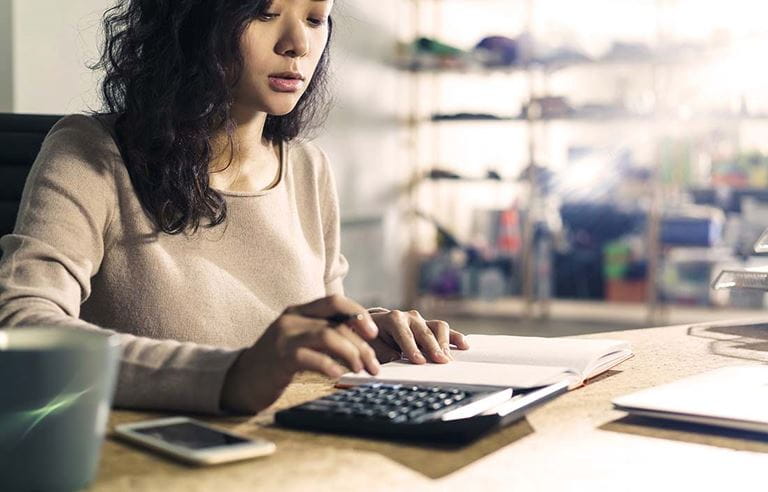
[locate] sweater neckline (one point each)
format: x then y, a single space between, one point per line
266 191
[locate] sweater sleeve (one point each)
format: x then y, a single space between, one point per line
61 235
336 266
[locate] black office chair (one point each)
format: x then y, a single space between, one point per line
20 138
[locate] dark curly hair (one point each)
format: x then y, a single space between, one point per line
170 67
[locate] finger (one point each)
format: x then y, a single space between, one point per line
384 353
367 353
335 305
326 340
459 340
384 335
311 360
397 325
442 333
426 339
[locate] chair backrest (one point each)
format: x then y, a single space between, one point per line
20 138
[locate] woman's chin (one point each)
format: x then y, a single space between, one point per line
280 112
281 108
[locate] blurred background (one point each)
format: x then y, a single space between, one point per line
544 166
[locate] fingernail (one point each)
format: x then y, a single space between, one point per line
416 356
438 355
447 352
373 329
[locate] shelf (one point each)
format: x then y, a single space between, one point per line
628 118
465 180
566 123
520 119
702 57
439 175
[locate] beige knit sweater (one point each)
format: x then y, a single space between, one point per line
85 255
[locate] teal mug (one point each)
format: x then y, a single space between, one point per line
56 388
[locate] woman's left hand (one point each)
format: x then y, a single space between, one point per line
407 332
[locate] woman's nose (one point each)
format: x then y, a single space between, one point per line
294 41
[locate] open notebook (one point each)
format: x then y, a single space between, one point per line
509 361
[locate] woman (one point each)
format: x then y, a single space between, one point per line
187 219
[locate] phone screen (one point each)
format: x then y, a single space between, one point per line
190 435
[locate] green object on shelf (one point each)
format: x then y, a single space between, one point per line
435 47
616 259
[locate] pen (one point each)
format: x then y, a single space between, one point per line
341 318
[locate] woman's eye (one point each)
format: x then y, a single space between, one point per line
267 16
317 22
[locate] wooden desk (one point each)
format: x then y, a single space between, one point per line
577 442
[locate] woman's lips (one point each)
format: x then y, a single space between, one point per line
283 84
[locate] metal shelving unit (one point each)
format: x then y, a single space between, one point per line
658 120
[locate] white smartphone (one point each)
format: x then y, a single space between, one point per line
193 441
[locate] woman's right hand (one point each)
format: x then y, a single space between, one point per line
301 339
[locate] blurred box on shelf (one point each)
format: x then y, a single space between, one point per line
425 53
502 51
693 226
616 259
625 271
745 170
727 198
620 290
547 107
688 273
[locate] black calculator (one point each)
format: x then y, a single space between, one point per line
434 412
